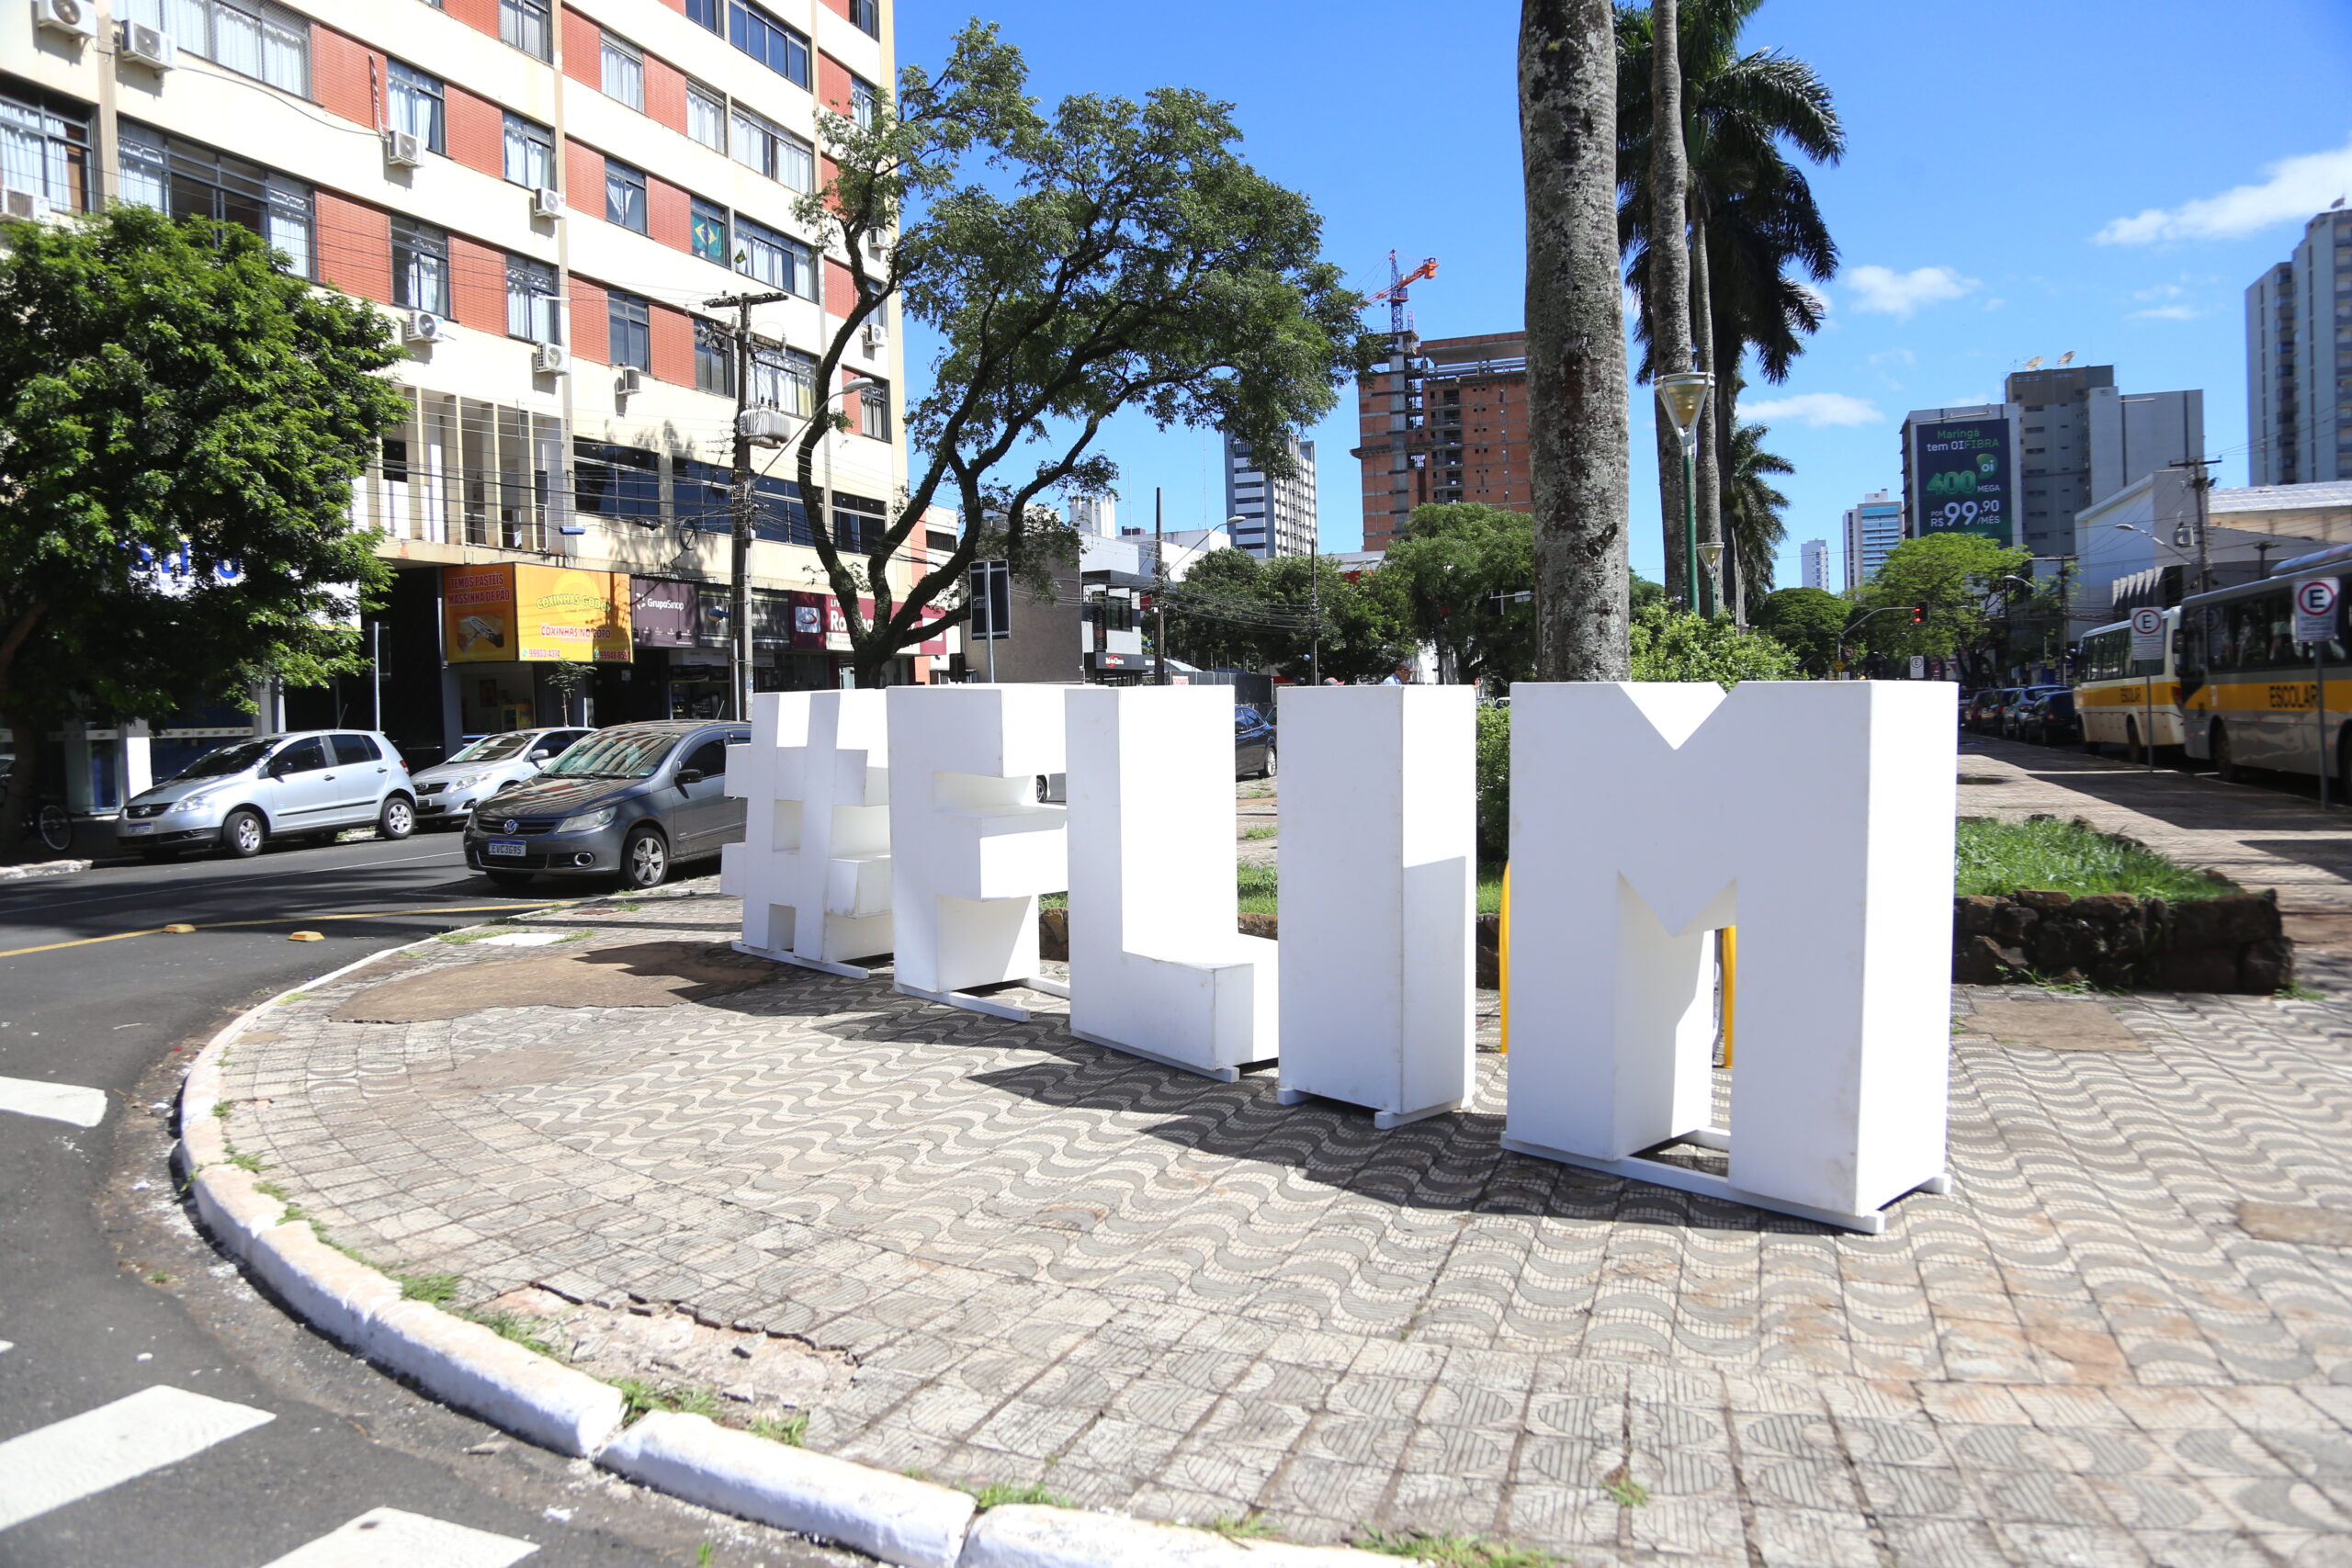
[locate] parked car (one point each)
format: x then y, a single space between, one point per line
2048 718
1984 712
493 762
2013 709
628 802
1253 742
313 783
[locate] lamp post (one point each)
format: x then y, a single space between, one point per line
1682 395
1711 553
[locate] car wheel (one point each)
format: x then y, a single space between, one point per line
645 860
398 819
1268 771
243 835
2225 762
508 878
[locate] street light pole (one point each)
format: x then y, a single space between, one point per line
1683 395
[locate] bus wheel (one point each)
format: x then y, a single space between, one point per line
2226 766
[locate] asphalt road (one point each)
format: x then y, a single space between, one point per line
108 1292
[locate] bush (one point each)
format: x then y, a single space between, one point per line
1670 645
2050 856
1494 784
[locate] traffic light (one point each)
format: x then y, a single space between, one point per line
1918 615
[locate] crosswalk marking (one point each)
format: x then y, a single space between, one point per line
56 1102
387 1538
83 1455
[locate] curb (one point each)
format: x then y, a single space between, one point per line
900 1520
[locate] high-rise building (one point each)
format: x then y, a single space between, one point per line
541 201
1270 515
2299 359
1815 555
1095 514
1873 529
1443 420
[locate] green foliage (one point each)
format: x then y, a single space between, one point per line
1623 1490
1807 621
1244 1527
639 1397
1453 1551
1752 505
1453 574
434 1290
1494 783
791 1430
1000 1493
527 1332
1955 576
1234 610
1261 889
164 389
1671 645
2048 855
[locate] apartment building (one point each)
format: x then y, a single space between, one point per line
1443 420
1872 530
1814 556
1271 517
544 197
2299 359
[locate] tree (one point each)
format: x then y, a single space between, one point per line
1957 579
1459 573
1117 256
1575 352
1675 644
1218 617
1363 629
1752 507
171 399
1670 257
1809 621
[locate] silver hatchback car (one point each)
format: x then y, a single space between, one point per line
446 793
313 783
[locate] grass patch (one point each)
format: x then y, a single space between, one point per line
472 933
1261 889
792 1430
295 997
1623 1490
246 1162
1454 1551
221 1108
2296 991
523 1331
432 1290
1253 834
2044 853
1001 1494
161 1277
1244 1527
641 1398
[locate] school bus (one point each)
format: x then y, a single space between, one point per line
2252 696
2127 702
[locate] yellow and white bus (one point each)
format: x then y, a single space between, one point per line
2252 696
2127 702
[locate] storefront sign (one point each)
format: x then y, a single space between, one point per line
809 622
663 613
512 612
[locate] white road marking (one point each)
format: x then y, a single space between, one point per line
387 1538
57 1102
84 1455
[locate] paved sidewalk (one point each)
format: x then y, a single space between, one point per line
1038 1260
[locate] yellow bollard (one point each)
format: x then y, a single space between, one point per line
1502 958
1729 937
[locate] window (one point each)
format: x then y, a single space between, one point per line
874 412
776 515
762 144
706 231
867 14
714 359
45 148
858 522
189 179
707 13
525 25
706 117
632 331
530 154
416 105
784 379
533 314
251 38
420 267
767 41
624 196
299 756
861 102
350 751
623 483
776 260
624 72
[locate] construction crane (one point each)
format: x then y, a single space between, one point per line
1395 293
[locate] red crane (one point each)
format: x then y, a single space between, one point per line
1395 293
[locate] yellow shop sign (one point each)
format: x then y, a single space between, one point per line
512 612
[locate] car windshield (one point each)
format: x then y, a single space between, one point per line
219 764
493 748
614 754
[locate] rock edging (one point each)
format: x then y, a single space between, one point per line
915 1524
2235 944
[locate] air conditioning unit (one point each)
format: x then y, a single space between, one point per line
874 335
66 17
550 359
546 202
421 326
764 426
631 381
22 204
403 149
151 47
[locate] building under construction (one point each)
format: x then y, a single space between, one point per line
1443 420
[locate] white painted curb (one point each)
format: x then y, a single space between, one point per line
893 1518
890 1517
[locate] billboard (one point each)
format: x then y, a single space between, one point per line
507 613
1962 478
663 613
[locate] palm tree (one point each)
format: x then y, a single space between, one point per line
1752 507
1752 213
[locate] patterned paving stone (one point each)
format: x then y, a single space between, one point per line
1149 1291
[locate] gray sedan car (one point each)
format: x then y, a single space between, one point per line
626 802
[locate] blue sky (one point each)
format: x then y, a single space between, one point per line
2026 177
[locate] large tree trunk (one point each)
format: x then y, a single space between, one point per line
17 801
1576 344
1669 261
1702 337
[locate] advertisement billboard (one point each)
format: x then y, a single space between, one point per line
1962 478
663 613
512 612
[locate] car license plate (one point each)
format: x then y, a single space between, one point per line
137 828
507 847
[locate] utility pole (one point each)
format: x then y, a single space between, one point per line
741 505
1159 593
1315 616
2201 482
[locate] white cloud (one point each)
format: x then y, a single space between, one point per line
2296 189
1815 409
2167 313
1899 294
1893 356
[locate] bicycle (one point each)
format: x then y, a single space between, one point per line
45 820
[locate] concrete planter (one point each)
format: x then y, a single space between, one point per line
2113 940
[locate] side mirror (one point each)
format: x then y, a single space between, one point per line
688 776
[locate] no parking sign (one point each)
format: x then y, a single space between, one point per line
2147 633
2315 609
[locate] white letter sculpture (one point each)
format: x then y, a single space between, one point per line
814 867
1817 816
1379 836
1156 966
971 848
